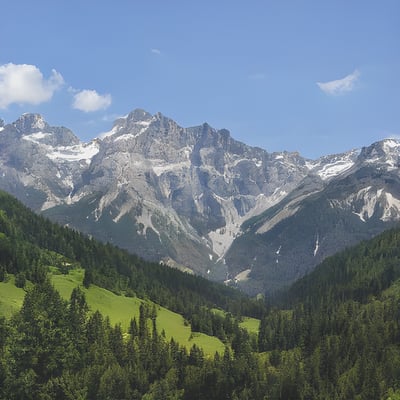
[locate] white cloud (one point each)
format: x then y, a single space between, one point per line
24 84
156 51
90 100
340 86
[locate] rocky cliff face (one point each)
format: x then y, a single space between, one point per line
38 162
188 189
192 197
319 218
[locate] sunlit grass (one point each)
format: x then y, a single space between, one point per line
252 325
11 297
121 309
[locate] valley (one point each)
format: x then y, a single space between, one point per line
66 327
199 200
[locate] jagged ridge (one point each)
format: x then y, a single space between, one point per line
185 195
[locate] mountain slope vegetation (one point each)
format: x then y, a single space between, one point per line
342 322
28 241
333 334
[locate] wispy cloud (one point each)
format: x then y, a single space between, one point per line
90 100
156 51
340 86
25 84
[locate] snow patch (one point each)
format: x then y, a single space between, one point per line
78 152
316 246
35 137
257 162
128 136
392 149
327 168
329 171
391 144
113 131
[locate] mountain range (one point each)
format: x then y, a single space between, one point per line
196 199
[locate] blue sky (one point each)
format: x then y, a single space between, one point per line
318 77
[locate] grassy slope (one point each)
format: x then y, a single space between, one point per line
252 325
11 297
119 309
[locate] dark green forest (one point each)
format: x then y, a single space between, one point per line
335 334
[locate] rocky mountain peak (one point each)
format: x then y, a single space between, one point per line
1 123
30 123
197 195
32 128
165 125
129 126
384 153
139 115
380 148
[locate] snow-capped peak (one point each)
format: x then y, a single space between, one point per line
385 153
391 143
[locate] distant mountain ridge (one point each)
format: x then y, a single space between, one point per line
195 198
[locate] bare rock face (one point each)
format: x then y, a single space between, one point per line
320 217
190 187
192 197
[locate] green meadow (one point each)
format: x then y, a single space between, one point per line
252 325
11 297
119 309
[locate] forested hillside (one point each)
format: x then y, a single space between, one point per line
335 334
342 324
29 242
